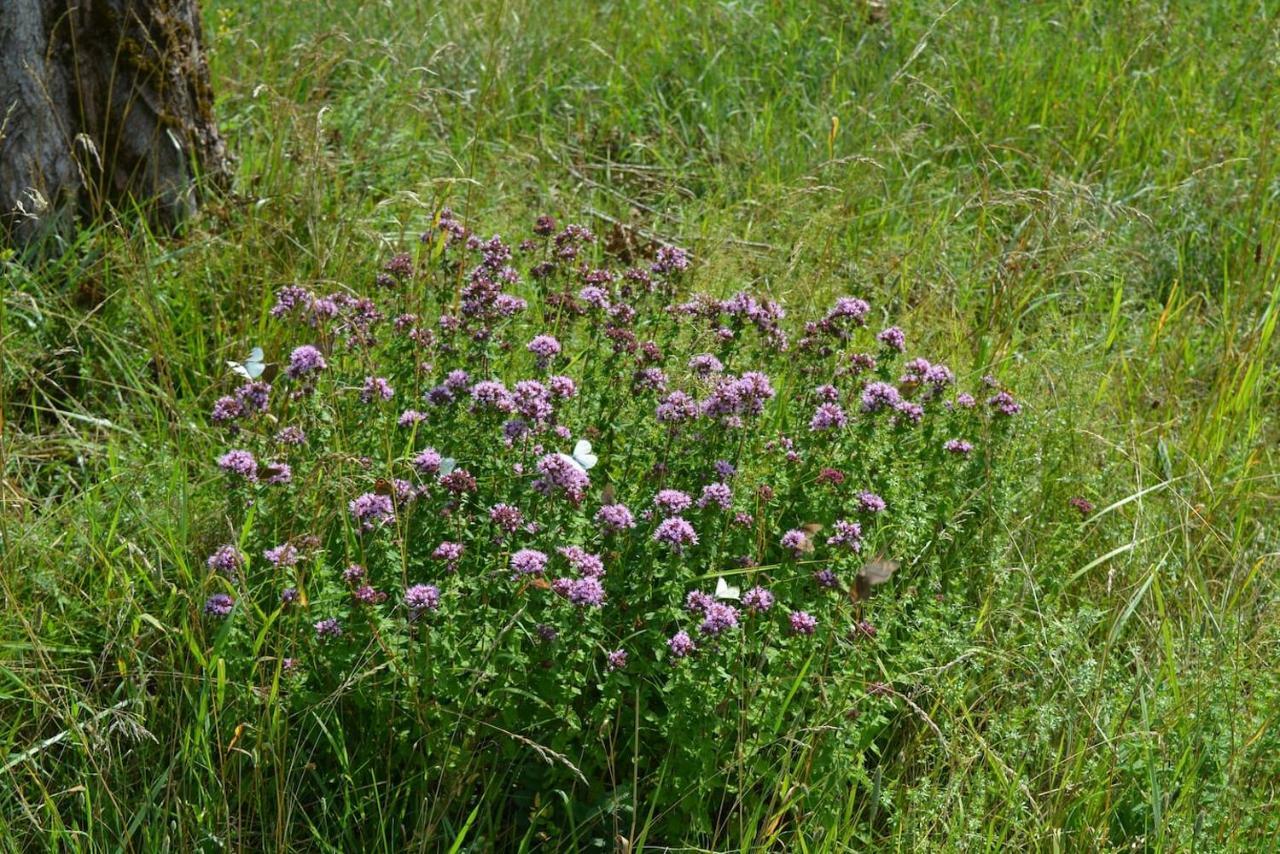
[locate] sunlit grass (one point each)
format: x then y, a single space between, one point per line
1082 195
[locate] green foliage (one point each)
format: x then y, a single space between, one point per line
512 669
1078 196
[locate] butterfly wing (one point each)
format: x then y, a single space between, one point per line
879 570
254 366
270 470
724 590
860 589
582 454
447 465
875 572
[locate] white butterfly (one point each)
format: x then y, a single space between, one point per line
582 456
447 465
252 367
725 591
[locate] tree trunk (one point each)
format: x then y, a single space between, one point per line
103 103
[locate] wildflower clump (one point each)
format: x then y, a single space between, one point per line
518 487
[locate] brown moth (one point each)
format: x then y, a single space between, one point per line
270 470
875 572
810 530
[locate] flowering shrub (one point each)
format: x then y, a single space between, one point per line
516 496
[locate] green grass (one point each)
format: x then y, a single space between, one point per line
1082 194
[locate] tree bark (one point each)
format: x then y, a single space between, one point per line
103 104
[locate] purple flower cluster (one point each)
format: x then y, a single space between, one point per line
304 361
718 494
490 395
614 518
671 259
252 398
718 618
705 364
758 600
672 501
861 363
343 314
410 417
911 412
399 267
586 592
226 409
583 562
595 297
677 408
285 554
532 400
421 598
734 398
675 533
828 416
459 481
528 562
506 517
428 461
371 510
329 627
796 541
219 606
292 436
544 348
893 338
450 553
869 502
802 622
226 560
846 533
239 462
1003 404
559 471
367 595
681 645
376 388
852 309
880 395
562 387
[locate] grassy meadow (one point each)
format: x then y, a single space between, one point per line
1082 198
